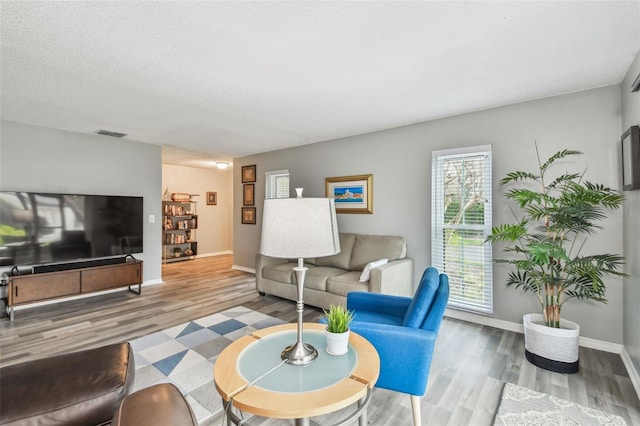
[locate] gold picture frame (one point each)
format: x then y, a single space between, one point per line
212 198
249 215
248 194
249 173
352 194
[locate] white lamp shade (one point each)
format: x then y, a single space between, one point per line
299 228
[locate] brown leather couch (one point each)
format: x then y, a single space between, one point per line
79 388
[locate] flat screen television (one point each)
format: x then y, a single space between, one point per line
46 229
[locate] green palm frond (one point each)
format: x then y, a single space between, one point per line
508 232
522 281
518 176
526 197
567 177
536 212
557 156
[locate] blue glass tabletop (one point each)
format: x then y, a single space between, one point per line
260 362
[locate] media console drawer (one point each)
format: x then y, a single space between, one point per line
35 288
39 287
104 278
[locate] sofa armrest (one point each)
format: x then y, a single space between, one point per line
393 278
261 262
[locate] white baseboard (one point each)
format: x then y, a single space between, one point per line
243 269
152 282
586 342
215 253
601 345
631 369
483 320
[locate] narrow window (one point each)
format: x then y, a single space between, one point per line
461 220
277 184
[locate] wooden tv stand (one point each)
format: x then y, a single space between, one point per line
33 288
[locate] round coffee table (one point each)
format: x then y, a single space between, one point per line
250 375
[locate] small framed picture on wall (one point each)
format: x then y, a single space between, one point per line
212 198
630 142
249 173
249 215
248 194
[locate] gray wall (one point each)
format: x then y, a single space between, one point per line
36 158
400 161
631 219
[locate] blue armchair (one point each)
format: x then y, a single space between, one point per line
403 330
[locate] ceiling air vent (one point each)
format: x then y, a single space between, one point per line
111 133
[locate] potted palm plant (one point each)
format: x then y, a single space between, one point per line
545 246
337 332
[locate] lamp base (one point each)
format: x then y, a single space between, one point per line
299 354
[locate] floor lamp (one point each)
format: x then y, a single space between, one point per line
299 228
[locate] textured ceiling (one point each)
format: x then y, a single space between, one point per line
228 79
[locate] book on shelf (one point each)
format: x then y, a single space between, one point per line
175 239
176 210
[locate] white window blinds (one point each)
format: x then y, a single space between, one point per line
277 184
461 220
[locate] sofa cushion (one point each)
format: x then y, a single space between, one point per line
307 261
282 272
340 260
317 277
343 284
369 248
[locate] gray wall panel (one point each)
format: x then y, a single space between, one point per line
34 158
400 160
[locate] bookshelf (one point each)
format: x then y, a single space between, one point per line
179 225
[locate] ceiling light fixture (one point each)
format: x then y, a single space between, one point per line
222 165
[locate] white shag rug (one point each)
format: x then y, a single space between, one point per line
522 406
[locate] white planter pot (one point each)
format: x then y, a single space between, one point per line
554 349
337 343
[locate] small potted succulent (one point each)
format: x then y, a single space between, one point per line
337 332
177 252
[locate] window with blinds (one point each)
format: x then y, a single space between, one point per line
277 184
461 220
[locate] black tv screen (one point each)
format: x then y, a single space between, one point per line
40 228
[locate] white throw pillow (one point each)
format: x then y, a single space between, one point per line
369 266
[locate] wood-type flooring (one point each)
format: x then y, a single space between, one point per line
471 362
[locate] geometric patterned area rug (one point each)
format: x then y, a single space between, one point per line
185 354
522 406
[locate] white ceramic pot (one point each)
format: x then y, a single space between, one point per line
337 343
554 349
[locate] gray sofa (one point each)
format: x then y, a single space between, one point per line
330 278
